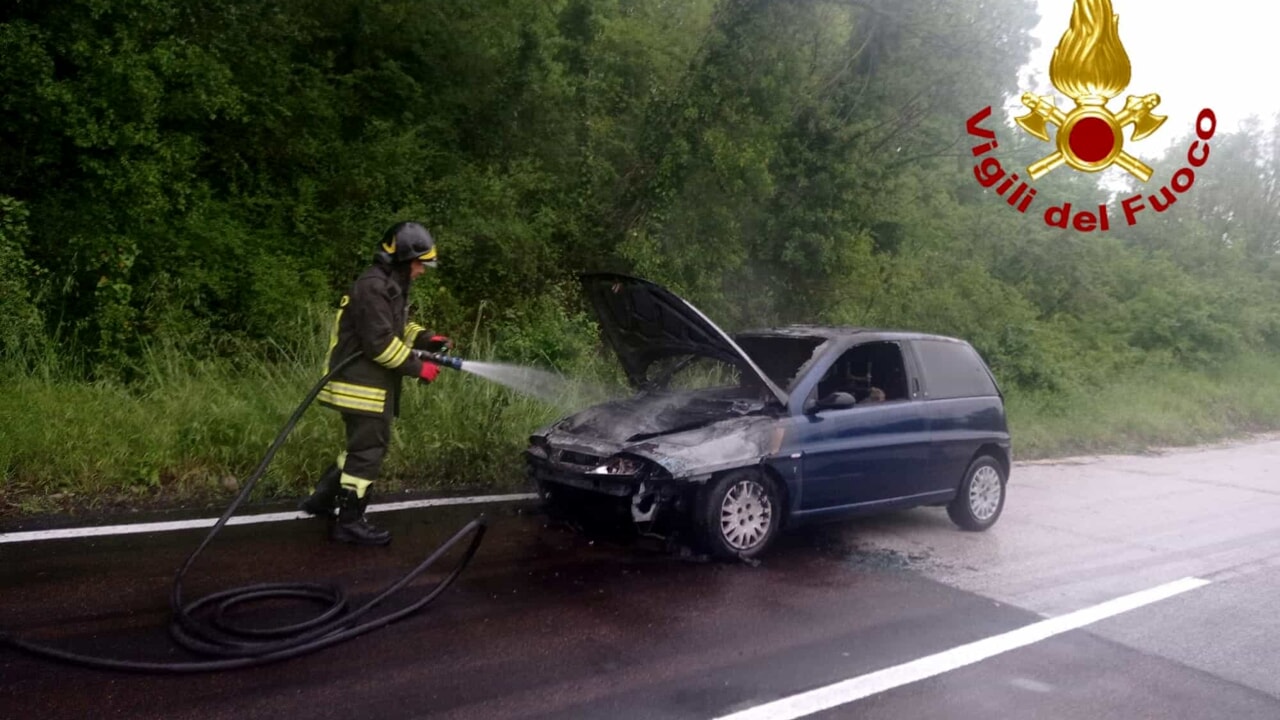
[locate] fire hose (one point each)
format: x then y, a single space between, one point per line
202 625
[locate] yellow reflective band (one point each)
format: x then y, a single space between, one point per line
350 403
400 357
411 332
362 398
333 337
344 403
360 391
430 255
351 482
389 352
395 354
342 459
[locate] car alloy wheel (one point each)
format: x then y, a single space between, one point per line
984 493
980 498
739 514
746 515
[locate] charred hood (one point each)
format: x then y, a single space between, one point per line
652 416
644 322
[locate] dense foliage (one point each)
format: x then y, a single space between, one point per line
203 173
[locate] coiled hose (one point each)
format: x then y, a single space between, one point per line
202 625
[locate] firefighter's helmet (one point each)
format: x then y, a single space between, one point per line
407 241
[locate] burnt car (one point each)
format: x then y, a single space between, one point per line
730 439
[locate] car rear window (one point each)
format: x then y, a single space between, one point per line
953 369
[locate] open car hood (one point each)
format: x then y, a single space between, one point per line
645 322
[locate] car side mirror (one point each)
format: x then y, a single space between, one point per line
834 401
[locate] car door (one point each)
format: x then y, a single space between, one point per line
874 452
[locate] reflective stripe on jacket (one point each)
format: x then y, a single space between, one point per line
371 320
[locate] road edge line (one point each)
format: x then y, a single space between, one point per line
169 526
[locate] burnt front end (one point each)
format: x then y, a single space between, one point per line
594 486
640 463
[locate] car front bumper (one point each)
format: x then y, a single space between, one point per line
544 468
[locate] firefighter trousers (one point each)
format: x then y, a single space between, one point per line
367 442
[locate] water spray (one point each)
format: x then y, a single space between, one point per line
550 387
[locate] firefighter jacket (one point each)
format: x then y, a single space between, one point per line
371 319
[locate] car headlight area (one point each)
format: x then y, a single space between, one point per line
619 465
607 488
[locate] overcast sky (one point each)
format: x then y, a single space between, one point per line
1194 54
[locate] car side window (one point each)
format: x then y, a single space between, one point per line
871 373
952 370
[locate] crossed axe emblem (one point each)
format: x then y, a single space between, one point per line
1090 137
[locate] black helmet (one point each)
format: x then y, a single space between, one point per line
407 241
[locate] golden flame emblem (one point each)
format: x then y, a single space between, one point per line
1090 66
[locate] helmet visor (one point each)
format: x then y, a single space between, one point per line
428 258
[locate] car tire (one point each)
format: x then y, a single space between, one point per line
980 498
740 513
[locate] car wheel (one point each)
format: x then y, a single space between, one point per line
980 500
740 514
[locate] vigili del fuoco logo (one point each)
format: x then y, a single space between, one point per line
1089 66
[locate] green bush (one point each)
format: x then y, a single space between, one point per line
21 324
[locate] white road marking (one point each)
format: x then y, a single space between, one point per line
847 691
36 535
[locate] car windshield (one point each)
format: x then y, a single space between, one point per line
780 357
692 372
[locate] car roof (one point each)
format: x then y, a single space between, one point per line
842 332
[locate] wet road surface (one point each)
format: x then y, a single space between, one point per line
546 623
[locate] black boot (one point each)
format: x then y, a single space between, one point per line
351 527
320 503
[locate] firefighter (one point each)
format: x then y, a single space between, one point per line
371 319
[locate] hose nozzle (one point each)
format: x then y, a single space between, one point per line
438 359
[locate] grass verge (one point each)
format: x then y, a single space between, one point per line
194 430
1149 408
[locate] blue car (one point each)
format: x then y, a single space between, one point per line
728 440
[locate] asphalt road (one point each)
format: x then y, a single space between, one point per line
547 623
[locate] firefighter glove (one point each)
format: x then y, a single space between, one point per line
439 343
429 372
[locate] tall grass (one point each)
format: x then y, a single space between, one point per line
194 428
1146 408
